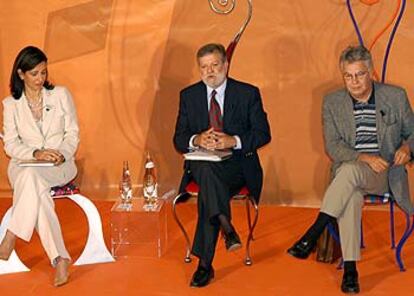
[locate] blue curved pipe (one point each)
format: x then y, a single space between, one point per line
387 51
351 14
408 230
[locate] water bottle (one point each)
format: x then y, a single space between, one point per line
149 184
125 186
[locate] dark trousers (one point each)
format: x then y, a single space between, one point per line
218 182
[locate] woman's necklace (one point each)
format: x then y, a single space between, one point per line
36 107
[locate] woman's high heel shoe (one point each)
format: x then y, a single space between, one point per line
62 273
7 246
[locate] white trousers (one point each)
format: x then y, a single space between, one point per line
344 200
33 206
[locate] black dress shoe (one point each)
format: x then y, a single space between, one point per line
302 248
350 283
202 277
232 241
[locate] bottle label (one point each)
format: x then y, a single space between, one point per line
150 191
150 188
126 191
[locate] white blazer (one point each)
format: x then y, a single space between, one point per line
59 130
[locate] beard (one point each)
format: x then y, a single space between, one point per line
215 80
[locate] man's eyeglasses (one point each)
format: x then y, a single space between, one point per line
357 76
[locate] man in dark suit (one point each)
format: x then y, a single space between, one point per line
219 113
369 135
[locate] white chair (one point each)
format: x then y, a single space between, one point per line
95 250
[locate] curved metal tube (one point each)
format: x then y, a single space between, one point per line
227 7
187 258
390 40
333 233
248 259
354 22
408 230
249 200
392 224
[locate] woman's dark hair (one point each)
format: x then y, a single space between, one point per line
28 58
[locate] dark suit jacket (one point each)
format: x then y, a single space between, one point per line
395 124
243 116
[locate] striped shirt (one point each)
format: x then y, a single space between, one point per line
366 140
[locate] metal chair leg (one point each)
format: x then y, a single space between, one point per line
362 244
248 260
249 199
392 225
249 218
333 233
187 258
340 264
335 236
408 230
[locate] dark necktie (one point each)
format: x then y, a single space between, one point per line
216 120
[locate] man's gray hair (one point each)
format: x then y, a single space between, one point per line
212 48
355 54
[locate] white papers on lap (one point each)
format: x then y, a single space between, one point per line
35 163
208 155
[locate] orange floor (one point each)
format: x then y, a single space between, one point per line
273 271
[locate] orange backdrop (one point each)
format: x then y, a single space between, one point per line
125 61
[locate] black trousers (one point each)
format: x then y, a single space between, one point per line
218 182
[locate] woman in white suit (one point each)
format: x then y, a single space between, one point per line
39 123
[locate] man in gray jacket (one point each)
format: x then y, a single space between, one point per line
369 135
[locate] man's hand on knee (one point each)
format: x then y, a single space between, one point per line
377 163
403 155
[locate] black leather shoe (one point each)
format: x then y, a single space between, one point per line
302 248
350 283
202 277
232 241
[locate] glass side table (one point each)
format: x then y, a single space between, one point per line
136 231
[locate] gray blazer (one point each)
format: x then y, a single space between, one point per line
395 125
